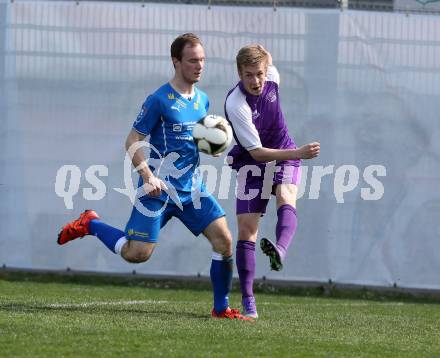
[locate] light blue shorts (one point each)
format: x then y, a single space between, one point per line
146 228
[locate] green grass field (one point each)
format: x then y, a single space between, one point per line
65 319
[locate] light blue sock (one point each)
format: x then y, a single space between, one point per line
221 278
109 235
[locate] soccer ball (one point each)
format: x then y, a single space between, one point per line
212 134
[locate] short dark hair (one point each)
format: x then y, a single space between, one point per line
181 41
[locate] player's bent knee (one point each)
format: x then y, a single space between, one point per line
223 244
227 241
286 194
137 253
137 257
247 232
219 236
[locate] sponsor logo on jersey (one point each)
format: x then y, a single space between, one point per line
183 137
178 104
177 127
272 96
255 114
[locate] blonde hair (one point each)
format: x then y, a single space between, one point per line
250 56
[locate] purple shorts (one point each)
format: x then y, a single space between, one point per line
255 184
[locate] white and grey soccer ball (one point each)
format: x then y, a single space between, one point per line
212 134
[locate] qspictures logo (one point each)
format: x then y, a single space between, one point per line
346 178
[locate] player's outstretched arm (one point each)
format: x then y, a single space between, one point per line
152 184
307 151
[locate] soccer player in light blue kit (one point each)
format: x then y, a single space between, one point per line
168 116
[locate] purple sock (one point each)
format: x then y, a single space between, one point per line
246 266
286 227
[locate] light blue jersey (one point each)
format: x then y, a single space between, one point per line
168 118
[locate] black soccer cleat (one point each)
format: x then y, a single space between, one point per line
271 250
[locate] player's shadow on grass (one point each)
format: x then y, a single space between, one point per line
23 307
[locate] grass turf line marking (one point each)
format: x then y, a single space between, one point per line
103 303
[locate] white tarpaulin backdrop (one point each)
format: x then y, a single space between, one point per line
366 85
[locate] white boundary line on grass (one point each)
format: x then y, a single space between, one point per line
103 303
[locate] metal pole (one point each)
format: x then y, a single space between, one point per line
3 32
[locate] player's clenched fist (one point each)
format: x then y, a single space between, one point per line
154 186
309 151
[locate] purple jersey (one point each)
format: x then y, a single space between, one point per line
257 121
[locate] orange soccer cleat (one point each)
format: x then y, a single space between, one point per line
77 228
230 313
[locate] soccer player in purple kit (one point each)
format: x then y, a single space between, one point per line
253 109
